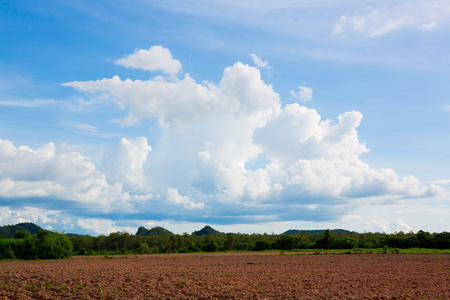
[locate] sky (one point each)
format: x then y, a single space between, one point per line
248 116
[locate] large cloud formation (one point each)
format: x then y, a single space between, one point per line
225 151
57 173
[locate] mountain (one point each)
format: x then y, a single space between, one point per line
316 231
207 230
10 230
154 231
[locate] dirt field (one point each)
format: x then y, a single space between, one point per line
230 276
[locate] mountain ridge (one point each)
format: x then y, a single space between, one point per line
158 230
10 230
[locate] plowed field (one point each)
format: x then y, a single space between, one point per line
230 276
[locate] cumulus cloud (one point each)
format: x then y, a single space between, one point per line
310 160
54 173
124 164
304 167
299 133
259 63
209 132
304 93
29 214
391 227
388 17
156 58
101 226
174 197
183 101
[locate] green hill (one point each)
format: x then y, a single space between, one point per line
10 230
154 231
207 230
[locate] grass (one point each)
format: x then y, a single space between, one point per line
385 250
424 251
77 287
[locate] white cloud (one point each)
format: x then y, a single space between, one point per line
174 197
351 217
131 120
447 107
124 164
28 214
156 58
87 130
182 102
34 103
441 182
299 133
259 63
98 226
53 173
428 26
395 226
304 93
209 132
207 135
389 17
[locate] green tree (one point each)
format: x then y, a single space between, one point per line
21 234
172 244
326 241
261 246
285 242
211 246
442 240
424 239
229 243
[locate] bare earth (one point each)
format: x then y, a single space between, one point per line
230 276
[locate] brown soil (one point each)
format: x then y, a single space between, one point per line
230 276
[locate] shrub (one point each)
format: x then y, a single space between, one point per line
261 246
44 245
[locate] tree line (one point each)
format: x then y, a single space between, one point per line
50 245
43 245
125 243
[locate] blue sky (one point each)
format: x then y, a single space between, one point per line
247 116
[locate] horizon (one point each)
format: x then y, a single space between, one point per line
237 232
258 116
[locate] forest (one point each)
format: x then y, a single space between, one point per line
46 244
122 242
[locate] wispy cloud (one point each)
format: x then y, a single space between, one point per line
388 17
87 130
440 182
304 93
131 120
259 63
33 103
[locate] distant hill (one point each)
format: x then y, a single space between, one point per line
316 231
207 230
10 230
154 231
